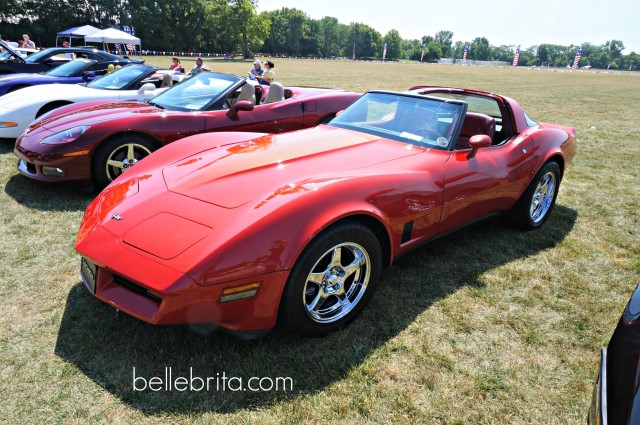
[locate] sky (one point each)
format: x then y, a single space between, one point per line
502 22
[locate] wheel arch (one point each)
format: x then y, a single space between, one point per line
50 106
110 137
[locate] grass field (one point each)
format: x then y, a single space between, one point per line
491 326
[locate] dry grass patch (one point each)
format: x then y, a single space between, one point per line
490 326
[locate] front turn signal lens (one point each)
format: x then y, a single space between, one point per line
6 124
241 292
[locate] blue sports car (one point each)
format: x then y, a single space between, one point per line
73 72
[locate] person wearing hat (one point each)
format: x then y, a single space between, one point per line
256 70
269 75
200 67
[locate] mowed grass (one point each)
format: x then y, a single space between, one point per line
493 325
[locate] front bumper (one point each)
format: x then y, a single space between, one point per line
142 287
52 163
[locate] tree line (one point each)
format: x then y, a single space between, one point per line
235 26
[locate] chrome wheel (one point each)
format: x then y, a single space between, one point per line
337 282
124 157
543 197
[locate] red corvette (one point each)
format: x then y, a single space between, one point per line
97 143
243 230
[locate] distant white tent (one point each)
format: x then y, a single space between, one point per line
76 32
112 35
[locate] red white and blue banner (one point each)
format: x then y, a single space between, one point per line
577 59
516 57
131 31
384 51
424 45
464 55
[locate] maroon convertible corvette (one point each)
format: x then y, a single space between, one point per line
241 229
98 142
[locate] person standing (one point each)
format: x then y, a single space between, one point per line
269 75
27 42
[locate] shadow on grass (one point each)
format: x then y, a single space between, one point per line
49 196
6 145
106 345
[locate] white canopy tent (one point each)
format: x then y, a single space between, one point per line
112 35
76 32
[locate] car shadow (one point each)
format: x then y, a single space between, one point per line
47 196
106 345
6 145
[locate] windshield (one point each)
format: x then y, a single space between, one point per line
121 78
69 69
415 120
195 93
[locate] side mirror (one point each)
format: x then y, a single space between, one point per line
147 87
241 105
88 75
476 142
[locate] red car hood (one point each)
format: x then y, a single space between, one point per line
231 176
98 113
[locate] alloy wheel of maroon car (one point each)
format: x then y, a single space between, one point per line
117 156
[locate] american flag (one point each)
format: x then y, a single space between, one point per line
577 59
132 32
516 57
464 55
384 51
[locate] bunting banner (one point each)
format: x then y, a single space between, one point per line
464 55
129 31
577 59
516 57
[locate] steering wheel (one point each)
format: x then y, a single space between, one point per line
428 133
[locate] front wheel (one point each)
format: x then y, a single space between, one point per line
535 205
118 155
333 280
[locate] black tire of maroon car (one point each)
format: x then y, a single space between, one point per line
536 203
115 151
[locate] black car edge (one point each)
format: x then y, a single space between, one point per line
44 60
616 399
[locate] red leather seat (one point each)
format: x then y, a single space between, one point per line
475 124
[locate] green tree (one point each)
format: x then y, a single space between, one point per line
480 49
365 39
444 38
394 44
333 36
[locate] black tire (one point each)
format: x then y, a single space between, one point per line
117 155
536 203
50 107
338 292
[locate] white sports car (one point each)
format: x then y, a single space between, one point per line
20 108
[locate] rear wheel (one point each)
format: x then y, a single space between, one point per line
333 280
535 205
117 155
